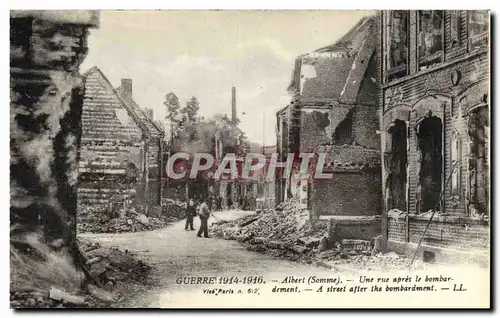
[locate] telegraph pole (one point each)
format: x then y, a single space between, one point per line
263 129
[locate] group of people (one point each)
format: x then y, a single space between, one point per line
215 203
201 209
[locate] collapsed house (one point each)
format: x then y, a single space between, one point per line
334 111
435 132
121 147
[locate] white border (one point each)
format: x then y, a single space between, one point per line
179 5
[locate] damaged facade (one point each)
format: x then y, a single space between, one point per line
334 110
435 131
121 147
46 50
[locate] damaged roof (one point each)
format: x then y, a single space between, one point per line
352 39
350 156
336 71
145 123
151 125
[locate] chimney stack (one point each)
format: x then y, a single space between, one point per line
127 86
233 104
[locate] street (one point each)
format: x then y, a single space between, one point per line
188 271
174 253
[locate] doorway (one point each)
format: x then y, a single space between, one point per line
398 163
430 145
479 170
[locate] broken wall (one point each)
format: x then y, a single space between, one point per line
46 91
112 145
324 75
365 126
348 193
445 232
315 128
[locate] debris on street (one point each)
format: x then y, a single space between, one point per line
37 269
112 266
285 232
44 277
120 218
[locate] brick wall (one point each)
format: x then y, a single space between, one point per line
358 230
396 231
444 232
432 89
111 139
314 128
472 71
348 193
98 192
365 125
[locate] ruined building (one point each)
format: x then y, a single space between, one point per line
334 111
46 50
435 131
121 147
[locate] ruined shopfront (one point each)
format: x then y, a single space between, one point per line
121 146
334 111
435 131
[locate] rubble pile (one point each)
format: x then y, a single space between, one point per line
124 218
345 254
110 267
42 276
284 232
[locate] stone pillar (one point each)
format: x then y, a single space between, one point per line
47 48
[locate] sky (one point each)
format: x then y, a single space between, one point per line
205 53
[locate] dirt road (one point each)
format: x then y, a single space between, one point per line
176 253
208 272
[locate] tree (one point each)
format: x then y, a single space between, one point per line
173 108
191 109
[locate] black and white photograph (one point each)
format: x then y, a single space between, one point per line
250 159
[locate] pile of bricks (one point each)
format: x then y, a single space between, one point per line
113 270
110 267
284 232
123 218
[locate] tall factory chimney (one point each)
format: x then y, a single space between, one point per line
233 104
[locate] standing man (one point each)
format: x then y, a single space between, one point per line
190 214
204 216
219 203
